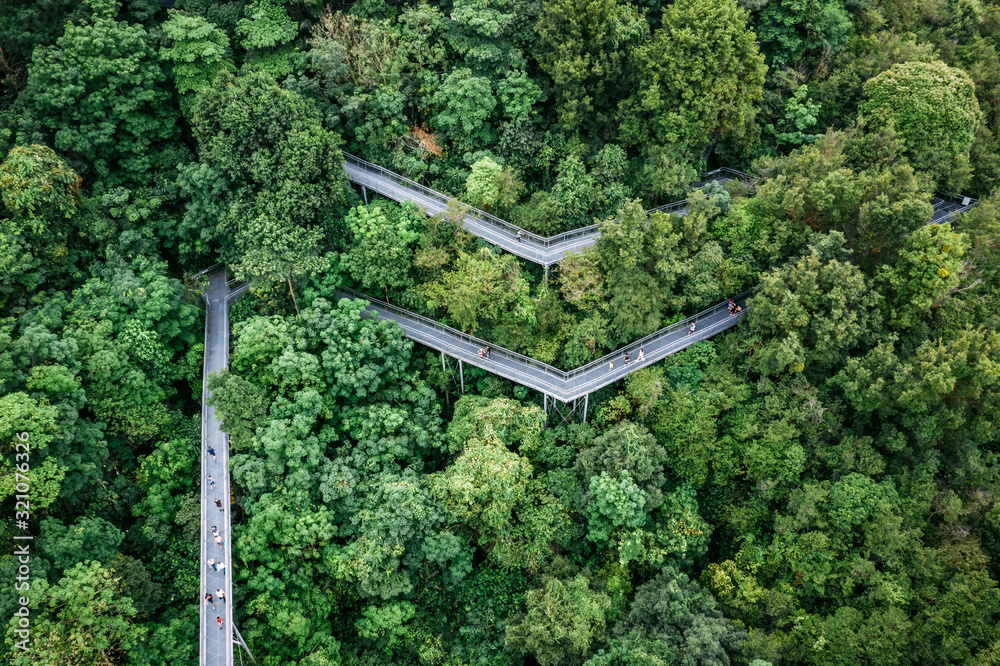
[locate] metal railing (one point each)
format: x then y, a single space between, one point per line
561 384
541 249
942 200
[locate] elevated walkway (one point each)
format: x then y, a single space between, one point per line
564 386
547 251
216 644
535 248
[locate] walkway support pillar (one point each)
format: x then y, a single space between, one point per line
586 400
364 193
461 375
546 275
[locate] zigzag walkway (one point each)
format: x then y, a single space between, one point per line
539 249
547 251
553 383
574 386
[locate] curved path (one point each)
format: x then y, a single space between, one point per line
538 249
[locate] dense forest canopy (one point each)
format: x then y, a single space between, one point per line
818 485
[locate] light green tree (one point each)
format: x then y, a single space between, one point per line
933 108
929 266
813 311
564 618
465 102
85 618
482 288
199 51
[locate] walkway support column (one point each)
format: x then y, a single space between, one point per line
461 375
586 399
364 193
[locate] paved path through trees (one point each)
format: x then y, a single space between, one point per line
216 644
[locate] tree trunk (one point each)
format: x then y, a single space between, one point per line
292 292
711 147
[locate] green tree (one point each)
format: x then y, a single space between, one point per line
929 267
98 93
481 186
671 620
800 117
615 503
794 31
199 51
585 50
694 80
846 538
580 280
381 262
265 34
83 619
274 251
465 102
483 288
933 108
813 311
286 170
564 618
487 36
40 192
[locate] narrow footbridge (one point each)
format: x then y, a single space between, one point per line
535 248
216 642
568 387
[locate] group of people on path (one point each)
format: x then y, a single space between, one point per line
628 359
484 352
734 309
217 565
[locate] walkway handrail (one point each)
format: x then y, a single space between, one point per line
558 383
528 236
446 200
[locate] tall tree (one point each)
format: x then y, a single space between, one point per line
98 93
695 79
199 51
933 107
813 311
285 168
585 49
